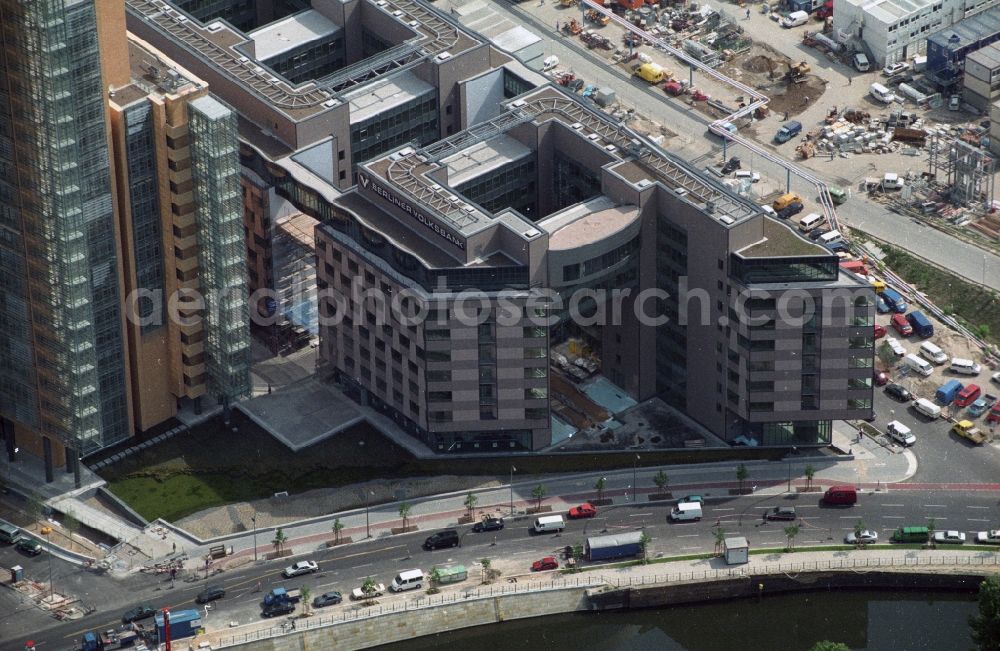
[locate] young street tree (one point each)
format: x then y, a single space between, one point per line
470 503
931 527
538 494
279 540
599 487
435 579
986 625
644 540
337 527
368 588
661 480
720 539
859 526
827 645
306 603
404 512
791 531
485 563
810 472
741 475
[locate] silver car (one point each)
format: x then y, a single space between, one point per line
866 537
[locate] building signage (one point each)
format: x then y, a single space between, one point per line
368 184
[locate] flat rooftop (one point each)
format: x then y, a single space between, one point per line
483 158
969 30
988 56
371 100
299 227
890 11
588 222
283 35
781 240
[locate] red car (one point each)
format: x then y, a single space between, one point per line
881 378
547 563
994 416
967 395
585 510
901 325
879 331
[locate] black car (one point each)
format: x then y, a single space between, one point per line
488 524
731 165
211 593
899 392
793 208
780 513
446 538
327 599
817 233
29 546
278 608
137 613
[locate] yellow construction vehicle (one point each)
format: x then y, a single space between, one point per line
654 73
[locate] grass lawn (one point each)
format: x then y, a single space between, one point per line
978 308
211 465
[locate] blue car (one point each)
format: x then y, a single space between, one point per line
979 407
881 305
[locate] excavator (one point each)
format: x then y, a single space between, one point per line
797 72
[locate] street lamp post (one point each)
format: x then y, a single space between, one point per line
45 531
635 484
512 469
253 518
794 451
368 531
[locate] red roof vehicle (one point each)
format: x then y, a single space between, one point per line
585 510
547 563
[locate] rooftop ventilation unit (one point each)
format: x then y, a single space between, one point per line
244 59
726 219
576 125
397 13
518 103
593 137
468 209
214 27
452 198
406 151
330 103
644 183
181 19
258 69
414 24
444 56
610 148
531 232
709 207
436 187
681 191
381 3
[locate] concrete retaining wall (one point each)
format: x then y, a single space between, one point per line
400 626
395 627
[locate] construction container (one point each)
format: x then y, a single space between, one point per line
605 96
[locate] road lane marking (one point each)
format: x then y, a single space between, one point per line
893 517
687 535
690 547
891 505
365 565
730 508
977 507
639 515
935 506
978 519
372 551
849 517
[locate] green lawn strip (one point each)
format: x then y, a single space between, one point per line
211 465
976 307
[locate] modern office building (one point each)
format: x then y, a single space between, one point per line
177 164
117 172
890 31
63 360
333 85
598 208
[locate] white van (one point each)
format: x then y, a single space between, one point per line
831 237
932 353
881 93
548 523
794 19
891 181
965 366
919 365
407 580
900 433
686 511
810 221
927 408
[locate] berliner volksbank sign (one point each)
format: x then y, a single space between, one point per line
367 184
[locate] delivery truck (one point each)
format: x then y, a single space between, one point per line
947 391
281 594
922 326
602 548
654 73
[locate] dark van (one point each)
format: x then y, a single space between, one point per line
840 495
446 538
788 131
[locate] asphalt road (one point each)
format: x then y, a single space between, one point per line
346 568
943 457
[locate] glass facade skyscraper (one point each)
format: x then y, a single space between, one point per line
62 360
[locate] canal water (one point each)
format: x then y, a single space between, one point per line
863 620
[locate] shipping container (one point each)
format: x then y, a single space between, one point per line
602 548
450 573
183 623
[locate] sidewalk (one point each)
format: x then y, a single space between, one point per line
870 466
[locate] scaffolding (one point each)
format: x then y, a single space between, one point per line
965 170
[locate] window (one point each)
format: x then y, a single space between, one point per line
571 272
439 376
437 334
761 406
534 353
438 356
437 416
536 372
487 353
536 393
859 403
537 413
487 394
539 332
859 383
439 396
